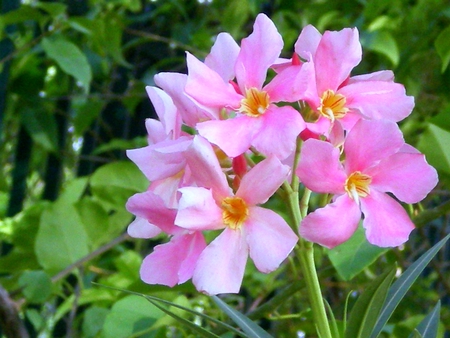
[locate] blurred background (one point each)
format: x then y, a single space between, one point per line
72 100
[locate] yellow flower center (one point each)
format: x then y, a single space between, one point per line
332 105
255 102
235 212
357 185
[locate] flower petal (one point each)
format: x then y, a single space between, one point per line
386 222
223 55
239 129
369 142
205 168
408 176
208 88
221 265
261 182
332 225
336 55
258 52
173 262
319 168
141 228
197 210
269 237
277 136
378 99
307 42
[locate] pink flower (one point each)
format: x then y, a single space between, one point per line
255 120
333 96
170 263
248 228
377 162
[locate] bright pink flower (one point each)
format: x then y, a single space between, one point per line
249 229
170 263
255 120
377 161
333 96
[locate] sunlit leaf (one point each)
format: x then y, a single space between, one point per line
442 45
434 144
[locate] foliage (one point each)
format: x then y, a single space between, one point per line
72 99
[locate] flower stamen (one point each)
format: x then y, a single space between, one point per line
332 105
357 185
255 102
235 212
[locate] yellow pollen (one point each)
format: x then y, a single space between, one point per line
255 102
235 212
357 185
332 105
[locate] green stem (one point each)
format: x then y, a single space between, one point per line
305 252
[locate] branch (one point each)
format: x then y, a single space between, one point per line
10 322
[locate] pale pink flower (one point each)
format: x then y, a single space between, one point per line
377 162
248 228
254 119
333 96
170 263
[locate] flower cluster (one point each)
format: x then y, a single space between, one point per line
229 136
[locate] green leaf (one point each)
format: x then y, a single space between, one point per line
428 327
52 8
384 43
115 182
366 309
130 315
37 286
402 285
354 255
94 319
61 239
195 328
434 144
442 45
248 326
41 126
70 58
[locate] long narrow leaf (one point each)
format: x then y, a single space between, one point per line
402 285
163 301
195 328
428 327
368 306
248 326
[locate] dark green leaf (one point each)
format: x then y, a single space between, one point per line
248 326
402 285
442 45
366 309
428 327
37 286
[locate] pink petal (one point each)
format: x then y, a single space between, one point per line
197 210
205 168
161 160
307 42
269 237
378 100
166 110
336 55
155 130
332 225
369 142
239 129
408 176
221 265
280 127
141 228
208 88
191 113
289 85
223 55
258 52
261 182
319 168
386 222
167 189
382 75
151 207
173 262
